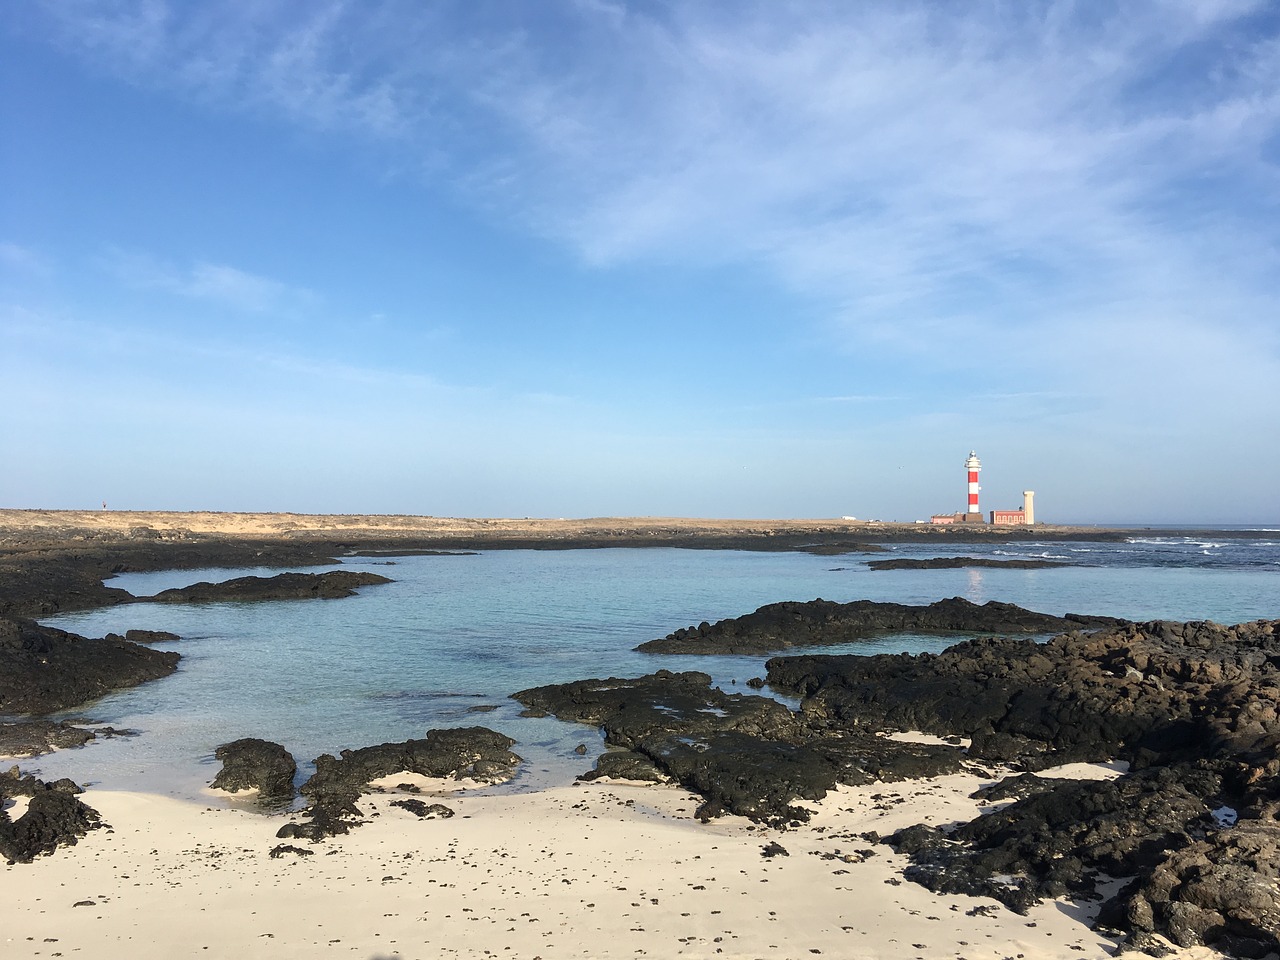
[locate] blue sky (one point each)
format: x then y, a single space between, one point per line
750 259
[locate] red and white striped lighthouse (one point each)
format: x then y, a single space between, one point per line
973 465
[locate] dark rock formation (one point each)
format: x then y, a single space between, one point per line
30 738
54 817
956 563
1138 692
1014 788
762 778
409 552
42 578
632 710
779 626
145 636
1219 891
280 849
744 754
625 765
253 764
47 669
331 585
1057 841
423 810
836 547
1194 707
475 753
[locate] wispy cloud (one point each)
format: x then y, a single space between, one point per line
213 282
945 177
23 260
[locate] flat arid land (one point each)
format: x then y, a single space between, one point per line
1090 763
31 526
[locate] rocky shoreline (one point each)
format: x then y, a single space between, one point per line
779 626
46 669
1193 826
961 563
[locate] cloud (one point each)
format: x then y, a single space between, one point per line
23 260
212 282
950 181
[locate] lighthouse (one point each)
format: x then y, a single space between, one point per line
973 465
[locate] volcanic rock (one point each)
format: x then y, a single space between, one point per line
331 585
956 563
1138 692
30 738
761 778
1057 841
423 810
662 703
1192 706
54 817
146 636
1219 891
47 669
280 849
779 626
39 579
253 764
474 753
744 754
625 765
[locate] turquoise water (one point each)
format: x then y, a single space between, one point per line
452 636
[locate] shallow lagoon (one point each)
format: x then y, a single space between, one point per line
454 635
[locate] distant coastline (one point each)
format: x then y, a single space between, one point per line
25 527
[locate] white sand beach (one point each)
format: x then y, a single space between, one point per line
588 870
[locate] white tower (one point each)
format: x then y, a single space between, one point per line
973 465
1028 507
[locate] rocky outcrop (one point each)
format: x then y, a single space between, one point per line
1201 876
1195 708
253 764
762 778
780 626
466 753
743 754
54 817
625 765
47 669
1218 891
1155 692
663 703
43 578
957 563
146 636
332 585
423 810
1060 840
30 738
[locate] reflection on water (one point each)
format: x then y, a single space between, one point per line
974 591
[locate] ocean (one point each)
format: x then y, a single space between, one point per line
448 641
